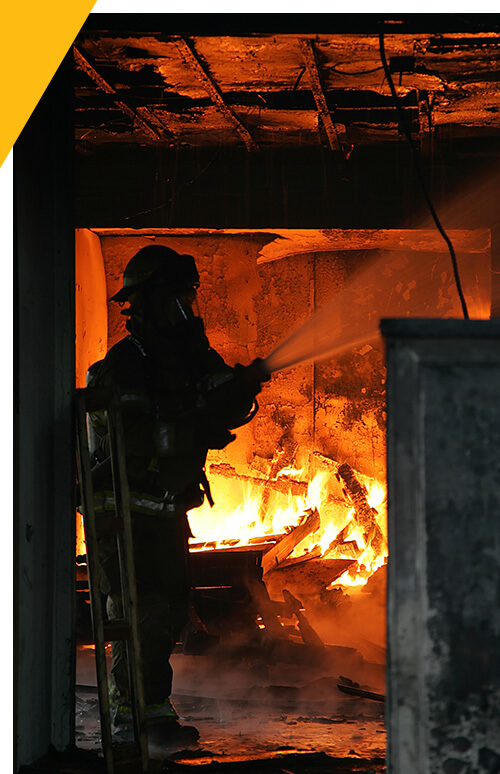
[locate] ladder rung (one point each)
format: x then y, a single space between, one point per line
117 630
90 400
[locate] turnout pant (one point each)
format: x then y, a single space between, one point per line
161 556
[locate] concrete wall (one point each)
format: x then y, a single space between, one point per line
443 383
91 309
336 406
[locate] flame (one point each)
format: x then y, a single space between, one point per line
81 547
246 512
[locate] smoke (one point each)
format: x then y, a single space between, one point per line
392 284
349 320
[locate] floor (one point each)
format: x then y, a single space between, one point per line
260 717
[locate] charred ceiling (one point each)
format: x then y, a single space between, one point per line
287 89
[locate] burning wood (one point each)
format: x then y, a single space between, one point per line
293 561
309 578
364 514
283 484
275 555
340 539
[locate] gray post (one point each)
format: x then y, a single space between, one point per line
44 380
443 466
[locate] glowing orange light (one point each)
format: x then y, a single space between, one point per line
241 515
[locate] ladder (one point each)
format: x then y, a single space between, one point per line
91 399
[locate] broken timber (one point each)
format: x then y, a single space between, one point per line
143 115
364 514
288 542
295 606
283 484
318 93
188 53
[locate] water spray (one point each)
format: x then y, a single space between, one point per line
390 285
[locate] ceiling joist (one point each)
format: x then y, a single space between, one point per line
215 94
150 123
311 64
225 91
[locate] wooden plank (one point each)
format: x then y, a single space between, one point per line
284 485
227 567
295 606
364 513
214 92
267 610
284 548
308 579
318 93
355 690
152 124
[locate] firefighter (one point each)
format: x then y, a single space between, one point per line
178 399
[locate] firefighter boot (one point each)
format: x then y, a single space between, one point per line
171 734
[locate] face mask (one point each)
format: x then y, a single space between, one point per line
182 307
172 311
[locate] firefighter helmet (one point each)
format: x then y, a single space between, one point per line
157 262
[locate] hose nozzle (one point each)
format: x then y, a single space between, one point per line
256 372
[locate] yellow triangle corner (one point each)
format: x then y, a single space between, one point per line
35 38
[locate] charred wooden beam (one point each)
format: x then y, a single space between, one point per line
364 513
225 568
283 485
284 548
309 579
267 610
319 95
260 543
295 606
350 105
348 686
189 54
152 125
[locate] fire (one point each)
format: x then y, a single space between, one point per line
249 510
81 548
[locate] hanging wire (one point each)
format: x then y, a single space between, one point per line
402 119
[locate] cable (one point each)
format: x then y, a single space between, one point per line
416 160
